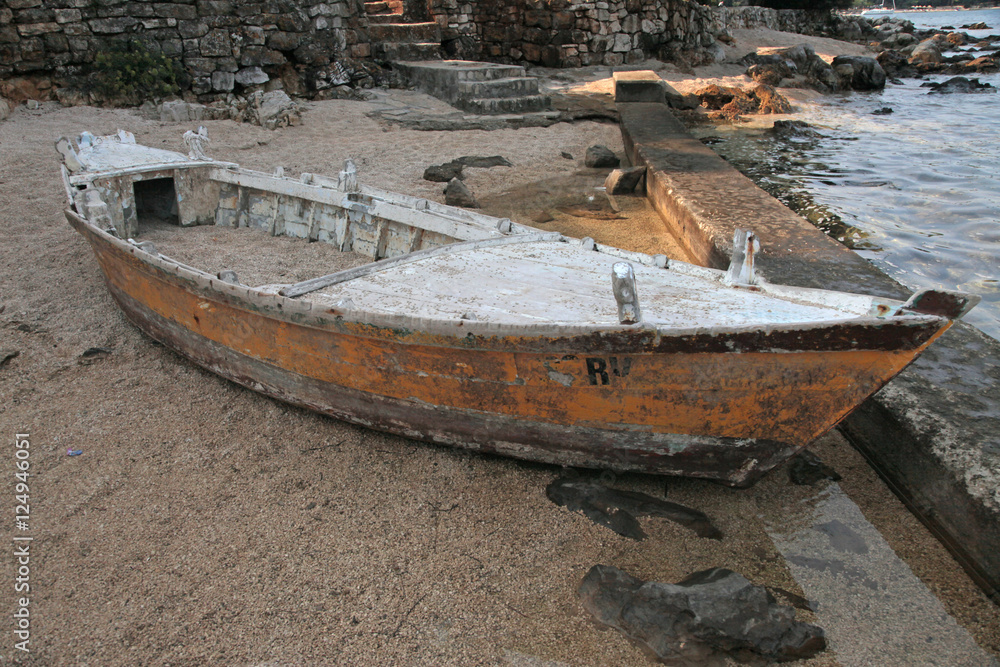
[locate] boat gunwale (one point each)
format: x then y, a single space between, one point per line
636 338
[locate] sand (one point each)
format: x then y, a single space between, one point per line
206 524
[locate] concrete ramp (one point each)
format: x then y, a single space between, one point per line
932 433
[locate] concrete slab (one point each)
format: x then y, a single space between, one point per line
933 433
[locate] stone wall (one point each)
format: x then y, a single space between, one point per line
224 44
571 33
823 24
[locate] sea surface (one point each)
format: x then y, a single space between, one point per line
916 191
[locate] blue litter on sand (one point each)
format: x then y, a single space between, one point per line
74 452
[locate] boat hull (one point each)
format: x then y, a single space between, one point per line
714 407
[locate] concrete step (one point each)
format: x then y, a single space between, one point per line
405 51
405 32
476 87
384 7
504 105
383 18
493 88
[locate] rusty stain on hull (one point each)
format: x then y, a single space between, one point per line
689 406
718 375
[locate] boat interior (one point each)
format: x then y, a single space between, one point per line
340 244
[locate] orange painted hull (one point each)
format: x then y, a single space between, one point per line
724 406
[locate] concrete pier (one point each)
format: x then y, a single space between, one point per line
933 433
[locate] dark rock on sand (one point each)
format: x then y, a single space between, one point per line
600 157
458 194
709 615
623 181
958 84
480 162
807 469
442 173
618 510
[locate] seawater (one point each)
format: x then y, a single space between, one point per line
916 191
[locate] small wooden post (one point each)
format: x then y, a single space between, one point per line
623 286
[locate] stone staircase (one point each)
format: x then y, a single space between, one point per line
479 88
392 38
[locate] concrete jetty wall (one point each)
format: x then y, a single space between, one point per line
933 433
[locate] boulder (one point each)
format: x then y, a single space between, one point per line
866 73
894 64
601 157
72 97
770 74
786 129
702 619
458 194
623 181
926 52
272 110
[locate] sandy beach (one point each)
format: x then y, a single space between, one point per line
204 524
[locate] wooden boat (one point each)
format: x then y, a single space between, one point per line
478 332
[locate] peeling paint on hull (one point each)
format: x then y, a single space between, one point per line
707 406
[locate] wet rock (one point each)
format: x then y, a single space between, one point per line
709 615
866 73
600 157
976 26
458 194
981 65
7 355
895 64
958 84
787 129
807 469
480 162
623 181
618 510
884 111
442 173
